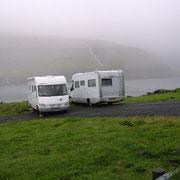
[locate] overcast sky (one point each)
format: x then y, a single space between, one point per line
150 24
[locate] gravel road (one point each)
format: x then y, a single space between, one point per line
166 108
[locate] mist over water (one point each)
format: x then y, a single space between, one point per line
64 37
142 86
137 87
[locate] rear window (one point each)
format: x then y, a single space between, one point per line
106 82
91 83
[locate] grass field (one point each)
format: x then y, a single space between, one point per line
91 148
10 109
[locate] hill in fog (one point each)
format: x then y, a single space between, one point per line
22 57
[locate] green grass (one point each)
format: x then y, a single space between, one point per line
91 148
8 109
154 97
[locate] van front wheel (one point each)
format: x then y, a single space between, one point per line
70 100
37 109
89 103
110 103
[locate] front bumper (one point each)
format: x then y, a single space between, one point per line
53 107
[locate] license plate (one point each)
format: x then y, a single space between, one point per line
55 109
112 99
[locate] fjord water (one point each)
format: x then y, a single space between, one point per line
13 93
142 86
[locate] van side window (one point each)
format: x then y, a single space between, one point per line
106 82
76 84
82 83
91 83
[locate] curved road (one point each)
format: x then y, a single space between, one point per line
166 108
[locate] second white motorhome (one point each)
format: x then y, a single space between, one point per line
48 93
98 87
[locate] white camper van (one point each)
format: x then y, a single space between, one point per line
98 87
48 93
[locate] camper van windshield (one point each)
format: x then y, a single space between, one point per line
52 90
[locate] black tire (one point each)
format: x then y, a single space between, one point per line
38 110
110 103
31 108
66 111
71 101
89 103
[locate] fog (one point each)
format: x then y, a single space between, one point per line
152 26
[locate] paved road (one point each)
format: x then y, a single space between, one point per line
166 108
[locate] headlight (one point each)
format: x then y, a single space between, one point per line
42 105
66 103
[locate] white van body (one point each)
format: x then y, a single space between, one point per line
48 93
98 87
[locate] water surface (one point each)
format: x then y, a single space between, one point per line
133 88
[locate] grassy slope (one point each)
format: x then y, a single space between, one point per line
92 148
154 97
8 109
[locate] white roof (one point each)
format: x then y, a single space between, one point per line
49 79
103 73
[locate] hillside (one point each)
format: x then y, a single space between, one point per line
22 57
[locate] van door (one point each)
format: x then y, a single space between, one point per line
121 86
76 94
110 87
83 91
30 94
34 96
